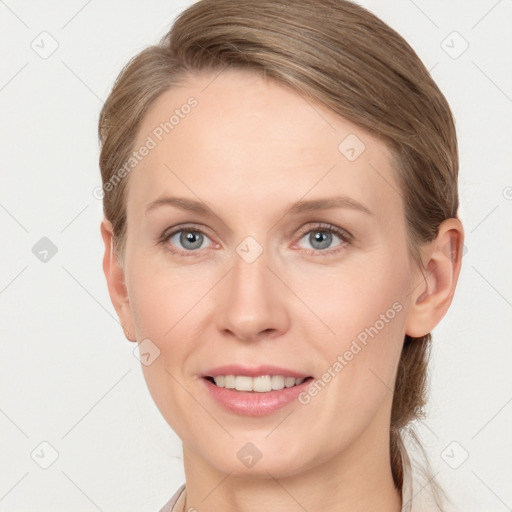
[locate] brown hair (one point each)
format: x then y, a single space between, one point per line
339 54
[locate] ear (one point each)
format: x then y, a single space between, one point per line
431 298
114 274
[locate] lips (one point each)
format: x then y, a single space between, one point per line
254 390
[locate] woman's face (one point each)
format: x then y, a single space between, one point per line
246 273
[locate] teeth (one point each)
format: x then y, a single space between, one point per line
277 382
243 383
260 384
229 381
289 382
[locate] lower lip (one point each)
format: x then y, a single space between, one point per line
252 403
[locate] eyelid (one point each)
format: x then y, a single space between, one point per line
182 227
323 226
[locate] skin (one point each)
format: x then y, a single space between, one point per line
248 151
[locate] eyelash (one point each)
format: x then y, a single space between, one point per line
345 237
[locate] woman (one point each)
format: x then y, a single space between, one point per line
281 236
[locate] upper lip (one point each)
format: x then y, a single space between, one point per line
253 371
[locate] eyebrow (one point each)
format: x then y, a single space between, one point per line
312 205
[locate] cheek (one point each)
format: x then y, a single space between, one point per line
163 306
167 305
360 336
162 298
349 299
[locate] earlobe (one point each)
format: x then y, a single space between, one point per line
431 299
115 277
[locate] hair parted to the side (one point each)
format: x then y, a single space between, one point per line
333 52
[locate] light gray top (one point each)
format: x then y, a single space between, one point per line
170 504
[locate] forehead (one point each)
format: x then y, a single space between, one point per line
235 138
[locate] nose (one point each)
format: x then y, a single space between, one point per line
251 302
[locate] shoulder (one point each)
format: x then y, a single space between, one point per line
170 504
420 491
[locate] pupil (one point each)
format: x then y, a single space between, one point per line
321 237
191 237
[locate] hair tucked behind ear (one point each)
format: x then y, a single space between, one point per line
334 52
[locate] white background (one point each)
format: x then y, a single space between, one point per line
68 376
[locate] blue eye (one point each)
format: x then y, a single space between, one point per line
321 237
190 239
